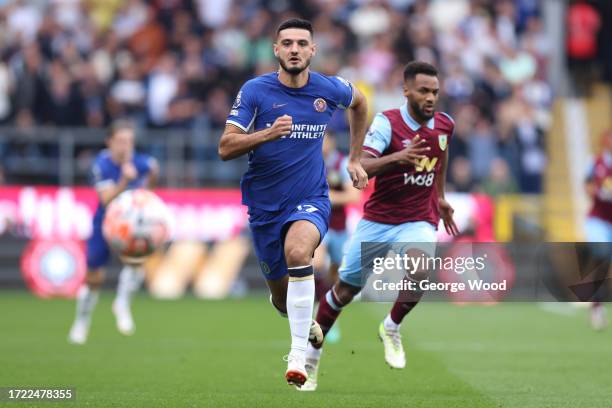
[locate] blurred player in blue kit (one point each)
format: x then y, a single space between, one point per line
114 170
279 120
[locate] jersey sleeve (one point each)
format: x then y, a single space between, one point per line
378 137
244 109
145 164
452 125
344 92
99 176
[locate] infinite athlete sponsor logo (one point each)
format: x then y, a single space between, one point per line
305 131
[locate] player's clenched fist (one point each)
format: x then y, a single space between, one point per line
358 174
128 171
413 153
281 127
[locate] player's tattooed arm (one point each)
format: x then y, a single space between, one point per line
445 209
358 122
235 142
408 156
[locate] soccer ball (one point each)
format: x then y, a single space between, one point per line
136 224
316 334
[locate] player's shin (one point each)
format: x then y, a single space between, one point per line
87 298
329 310
300 303
406 301
130 279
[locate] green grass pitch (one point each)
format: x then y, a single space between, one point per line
193 353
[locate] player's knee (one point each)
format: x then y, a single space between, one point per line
345 292
298 256
280 304
95 279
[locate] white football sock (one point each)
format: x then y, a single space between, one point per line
390 324
300 304
130 279
86 303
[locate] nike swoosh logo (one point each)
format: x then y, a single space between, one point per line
278 105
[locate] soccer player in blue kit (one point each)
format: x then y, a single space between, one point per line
285 187
114 170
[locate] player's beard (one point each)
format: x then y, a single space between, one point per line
294 70
421 115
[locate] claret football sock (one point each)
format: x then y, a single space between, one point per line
329 310
397 314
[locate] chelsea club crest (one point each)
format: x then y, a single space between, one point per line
320 105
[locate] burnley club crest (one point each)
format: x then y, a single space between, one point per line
442 141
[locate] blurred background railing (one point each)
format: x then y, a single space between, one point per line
63 156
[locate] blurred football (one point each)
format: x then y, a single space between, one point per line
136 224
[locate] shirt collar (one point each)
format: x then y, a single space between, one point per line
413 124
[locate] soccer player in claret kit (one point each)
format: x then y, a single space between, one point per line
114 170
406 149
598 226
284 188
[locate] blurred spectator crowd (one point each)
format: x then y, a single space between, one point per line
178 64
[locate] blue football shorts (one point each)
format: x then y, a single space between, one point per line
268 229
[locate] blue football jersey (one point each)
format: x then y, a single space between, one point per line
285 171
105 171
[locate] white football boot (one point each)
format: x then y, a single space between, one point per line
312 370
394 351
79 332
123 318
296 371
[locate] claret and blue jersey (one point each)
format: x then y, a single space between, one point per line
286 181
